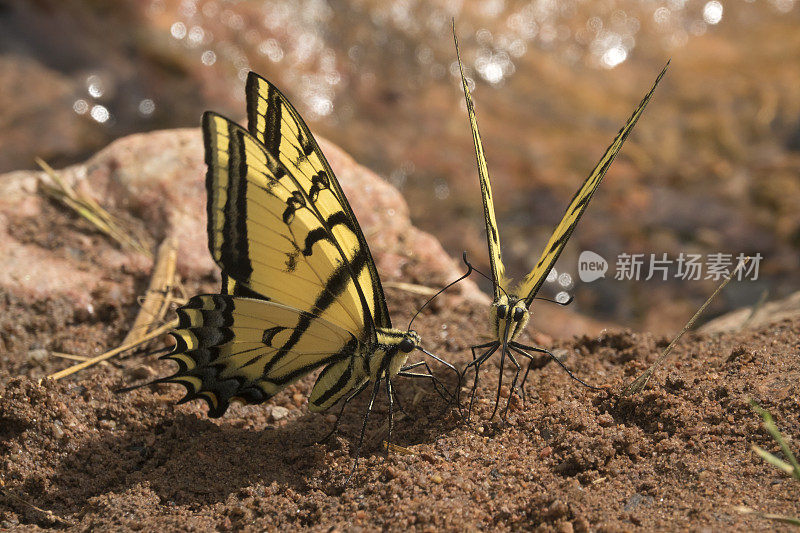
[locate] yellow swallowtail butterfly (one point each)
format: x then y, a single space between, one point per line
300 288
509 311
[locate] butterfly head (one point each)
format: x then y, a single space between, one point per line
509 317
392 351
410 341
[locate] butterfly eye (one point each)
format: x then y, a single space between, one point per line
406 345
502 311
518 314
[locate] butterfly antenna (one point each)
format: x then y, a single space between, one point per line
123 390
569 301
493 282
468 272
163 352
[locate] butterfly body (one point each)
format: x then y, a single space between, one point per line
381 361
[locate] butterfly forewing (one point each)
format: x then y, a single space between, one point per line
264 233
492 235
276 123
533 281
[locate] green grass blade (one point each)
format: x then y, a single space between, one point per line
770 426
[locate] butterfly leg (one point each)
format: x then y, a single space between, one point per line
341 411
372 397
520 349
442 361
389 395
437 383
503 352
477 361
513 384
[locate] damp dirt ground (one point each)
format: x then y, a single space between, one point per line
75 456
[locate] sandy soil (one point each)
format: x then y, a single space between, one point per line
77 456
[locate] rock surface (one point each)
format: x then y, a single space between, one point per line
156 182
755 317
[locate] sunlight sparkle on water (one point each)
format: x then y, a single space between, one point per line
271 49
208 58
196 35
614 56
100 113
562 297
783 6
320 105
178 30
94 86
146 107
712 12
662 15
80 106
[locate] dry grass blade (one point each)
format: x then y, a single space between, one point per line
111 353
770 516
640 383
397 449
89 209
411 287
756 308
159 291
49 514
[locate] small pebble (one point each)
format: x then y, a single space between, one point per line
58 432
141 372
436 478
279 413
298 398
38 355
605 420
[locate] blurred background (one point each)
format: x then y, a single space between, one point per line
713 166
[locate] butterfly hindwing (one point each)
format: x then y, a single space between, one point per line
533 281
492 235
279 127
231 348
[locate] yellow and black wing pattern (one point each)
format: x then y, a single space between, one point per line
300 288
534 280
234 348
492 234
274 121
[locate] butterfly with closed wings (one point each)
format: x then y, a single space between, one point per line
300 288
510 308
